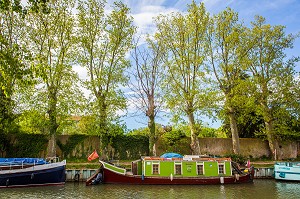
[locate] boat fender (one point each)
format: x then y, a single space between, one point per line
282 174
98 179
236 177
76 177
32 176
7 182
171 177
143 177
222 180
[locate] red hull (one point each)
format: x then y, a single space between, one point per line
115 178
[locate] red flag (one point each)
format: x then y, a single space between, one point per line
93 156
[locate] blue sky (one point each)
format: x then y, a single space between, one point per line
276 12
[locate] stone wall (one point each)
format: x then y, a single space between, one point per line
223 146
89 144
250 147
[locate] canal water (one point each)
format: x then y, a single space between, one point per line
259 189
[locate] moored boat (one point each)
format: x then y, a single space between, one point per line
289 171
21 172
188 170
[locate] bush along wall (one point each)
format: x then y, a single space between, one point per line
4 144
72 142
26 145
170 143
129 147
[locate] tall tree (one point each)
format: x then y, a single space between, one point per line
50 39
146 84
103 43
273 74
13 70
227 49
185 38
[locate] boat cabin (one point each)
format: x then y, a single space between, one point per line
188 166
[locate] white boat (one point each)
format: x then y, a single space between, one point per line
287 171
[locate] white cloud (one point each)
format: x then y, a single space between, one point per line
82 72
144 19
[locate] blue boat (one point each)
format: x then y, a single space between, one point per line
289 171
23 172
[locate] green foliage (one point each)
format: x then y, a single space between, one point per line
287 126
273 75
51 38
130 146
258 81
175 141
237 158
208 132
114 131
4 143
70 145
26 145
88 125
184 38
103 41
82 166
170 138
249 123
10 4
141 131
33 122
144 131
13 70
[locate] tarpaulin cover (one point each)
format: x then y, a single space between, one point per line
171 155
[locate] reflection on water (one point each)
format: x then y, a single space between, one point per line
258 189
288 190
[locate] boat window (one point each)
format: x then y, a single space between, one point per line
155 168
200 169
221 168
177 169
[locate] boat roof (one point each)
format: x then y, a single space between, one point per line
187 158
22 160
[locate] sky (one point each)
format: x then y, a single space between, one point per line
276 12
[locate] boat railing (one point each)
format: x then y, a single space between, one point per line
52 159
20 163
236 168
115 162
288 164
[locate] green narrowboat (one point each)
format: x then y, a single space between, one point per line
190 169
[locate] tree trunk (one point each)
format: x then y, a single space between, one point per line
273 145
103 118
51 152
268 118
234 132
103 131
151 126
195 146
53 126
